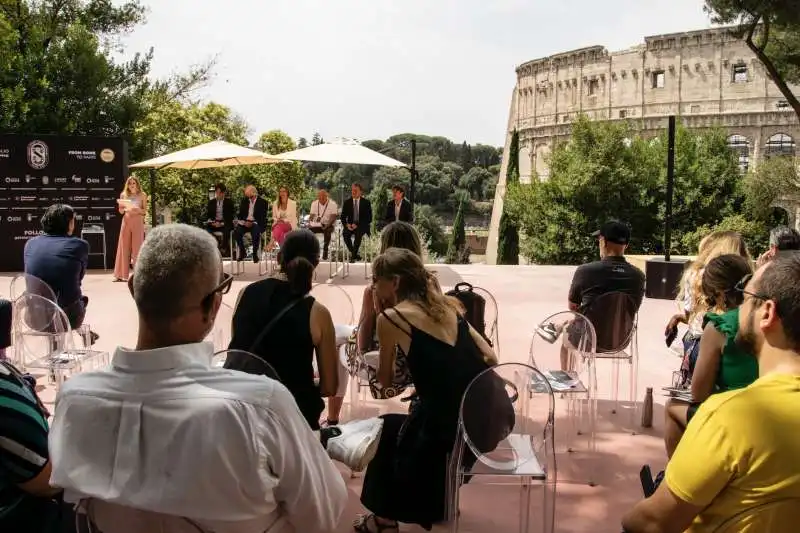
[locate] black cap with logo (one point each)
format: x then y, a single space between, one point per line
614 231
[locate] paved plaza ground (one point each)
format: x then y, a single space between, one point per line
525 295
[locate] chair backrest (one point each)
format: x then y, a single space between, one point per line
614 317
338 302
480 308
506 422
778 516
576 333
29 284
40 329
244 361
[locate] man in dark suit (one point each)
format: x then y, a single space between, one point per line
60 260
219 216
252 218
398 207
356 219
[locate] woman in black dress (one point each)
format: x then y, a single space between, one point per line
405 482
306 328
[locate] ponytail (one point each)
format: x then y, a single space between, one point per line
299 272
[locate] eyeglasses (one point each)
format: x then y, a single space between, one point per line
741 288
223 288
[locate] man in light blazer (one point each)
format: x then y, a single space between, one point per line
356 219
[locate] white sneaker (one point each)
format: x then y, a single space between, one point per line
356 443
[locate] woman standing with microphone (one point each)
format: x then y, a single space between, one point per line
132 205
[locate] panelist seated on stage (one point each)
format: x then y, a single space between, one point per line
322 218
252 219
356 218
60 260
219 215
398 209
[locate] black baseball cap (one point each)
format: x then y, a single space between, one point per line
614 231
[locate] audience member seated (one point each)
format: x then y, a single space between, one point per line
252 218
690 296
721 365
405 482
162 430
304 326
219 217
781 239
60 260
612 273
398 209
737 452
27 501
284 218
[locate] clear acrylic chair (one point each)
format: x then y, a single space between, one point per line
220 335
42 335
505 436
562 348
29 284
370 249
614 316
490 317
244 361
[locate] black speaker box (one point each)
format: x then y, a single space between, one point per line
663 277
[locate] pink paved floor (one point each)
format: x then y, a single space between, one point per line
525 295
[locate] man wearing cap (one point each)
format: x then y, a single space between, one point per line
612 273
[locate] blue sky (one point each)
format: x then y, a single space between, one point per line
371 68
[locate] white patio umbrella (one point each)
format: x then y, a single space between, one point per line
343 151
210 155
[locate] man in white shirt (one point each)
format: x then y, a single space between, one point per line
324 213
163 431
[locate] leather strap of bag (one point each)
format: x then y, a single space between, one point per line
271 324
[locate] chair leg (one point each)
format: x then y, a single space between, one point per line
524 505
615 385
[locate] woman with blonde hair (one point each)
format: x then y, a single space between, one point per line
284 217
690 297
405 482
132 205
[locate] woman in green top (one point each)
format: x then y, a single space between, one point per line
721 365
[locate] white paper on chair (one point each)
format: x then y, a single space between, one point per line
559 381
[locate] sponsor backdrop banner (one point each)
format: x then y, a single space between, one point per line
37 171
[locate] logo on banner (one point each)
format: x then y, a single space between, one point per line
13 219
60 180
12 180
93 180
109 216
38 155
30 217
76 179
107 179
45 180
94 218
107 155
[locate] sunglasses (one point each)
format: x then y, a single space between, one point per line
740 287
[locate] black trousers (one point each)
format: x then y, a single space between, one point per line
326 231
226 235
76 312
352 239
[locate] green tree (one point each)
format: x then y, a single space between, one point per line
56 70
754 232
431 230
603 172
378 197
508 241
773 179
458 237
771 29
302 142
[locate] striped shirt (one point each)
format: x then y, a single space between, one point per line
23 442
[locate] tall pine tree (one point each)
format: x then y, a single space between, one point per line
458 238
508 242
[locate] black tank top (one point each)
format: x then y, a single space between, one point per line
288 347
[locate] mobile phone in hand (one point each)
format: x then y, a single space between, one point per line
671 336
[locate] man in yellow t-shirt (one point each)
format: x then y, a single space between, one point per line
737 468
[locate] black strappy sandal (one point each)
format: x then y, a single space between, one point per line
368 524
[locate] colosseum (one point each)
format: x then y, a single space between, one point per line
706 77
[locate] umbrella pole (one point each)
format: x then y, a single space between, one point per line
153 216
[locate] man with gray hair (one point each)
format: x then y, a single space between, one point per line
163 431
781 239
